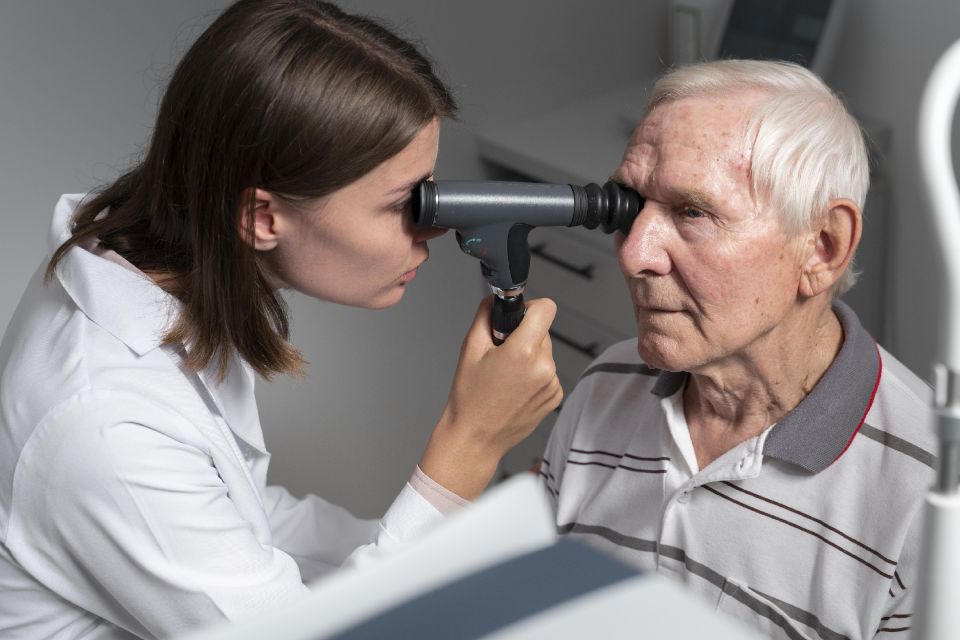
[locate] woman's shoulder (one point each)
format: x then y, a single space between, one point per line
63 373
52 351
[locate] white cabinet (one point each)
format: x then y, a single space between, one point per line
578 268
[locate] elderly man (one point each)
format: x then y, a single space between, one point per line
754 441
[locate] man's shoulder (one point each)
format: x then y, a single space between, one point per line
625 350
611 401
617 381
622 361
913 388
901 416
901 397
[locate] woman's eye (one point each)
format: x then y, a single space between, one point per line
401 207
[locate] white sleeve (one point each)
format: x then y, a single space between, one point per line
408 517
323 536
130 519
137 526
318 534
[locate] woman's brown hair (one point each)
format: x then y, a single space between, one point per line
295 97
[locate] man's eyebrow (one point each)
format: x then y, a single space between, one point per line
694 197
617 177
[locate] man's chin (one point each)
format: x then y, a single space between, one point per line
656 357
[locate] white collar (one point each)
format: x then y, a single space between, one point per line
125 302
134 309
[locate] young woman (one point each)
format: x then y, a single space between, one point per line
133 497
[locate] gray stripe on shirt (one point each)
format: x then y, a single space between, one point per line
615 537
899 444
714 578
805 617
730 589
620 367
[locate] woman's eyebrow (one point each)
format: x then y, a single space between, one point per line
406 187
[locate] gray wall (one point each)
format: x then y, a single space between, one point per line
79 82
882 66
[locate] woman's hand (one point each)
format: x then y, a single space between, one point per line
499 396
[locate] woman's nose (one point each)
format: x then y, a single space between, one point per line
423 233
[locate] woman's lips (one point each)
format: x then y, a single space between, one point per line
410 275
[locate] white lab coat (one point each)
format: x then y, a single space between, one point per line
133 495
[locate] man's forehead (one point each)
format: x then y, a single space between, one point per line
706 130
699 118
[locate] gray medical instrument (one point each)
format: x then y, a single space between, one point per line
493 219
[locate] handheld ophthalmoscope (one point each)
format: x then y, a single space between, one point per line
493 219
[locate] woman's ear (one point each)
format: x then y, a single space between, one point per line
259 219
834 243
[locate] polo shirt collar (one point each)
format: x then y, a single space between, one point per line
124 302
819 429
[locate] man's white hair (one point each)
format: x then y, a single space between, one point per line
804 146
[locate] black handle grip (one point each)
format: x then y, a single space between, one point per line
506 316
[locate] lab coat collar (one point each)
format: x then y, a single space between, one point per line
235 399
125 302
819 429
132 308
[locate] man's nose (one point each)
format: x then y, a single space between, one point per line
644 249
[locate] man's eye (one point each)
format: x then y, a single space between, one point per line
690 212
401 207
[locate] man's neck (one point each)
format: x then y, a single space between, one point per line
729 402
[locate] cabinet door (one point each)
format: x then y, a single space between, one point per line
578 268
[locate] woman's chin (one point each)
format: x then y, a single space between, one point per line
386 300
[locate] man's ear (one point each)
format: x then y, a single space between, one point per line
833 243
259 225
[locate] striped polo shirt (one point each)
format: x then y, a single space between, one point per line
809 530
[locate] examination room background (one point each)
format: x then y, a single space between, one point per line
79 85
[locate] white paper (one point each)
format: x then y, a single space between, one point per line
510 520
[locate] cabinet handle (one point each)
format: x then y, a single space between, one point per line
540 250
586 349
